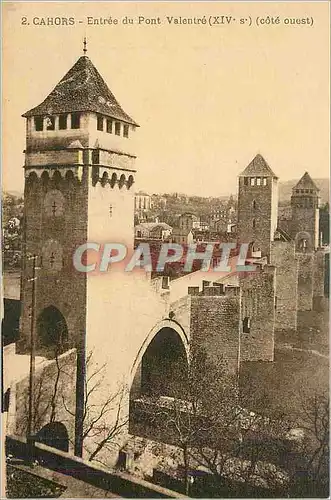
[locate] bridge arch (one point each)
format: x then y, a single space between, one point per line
161 358
54 434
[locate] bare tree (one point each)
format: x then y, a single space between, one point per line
199 403
206 420
48 393
104 415
315 451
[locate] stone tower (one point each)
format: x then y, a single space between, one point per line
79 172
305 214
257 206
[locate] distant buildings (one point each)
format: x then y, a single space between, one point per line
182 236
152 230
142 204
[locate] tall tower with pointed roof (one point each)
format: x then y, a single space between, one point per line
257 206
79 176
305 214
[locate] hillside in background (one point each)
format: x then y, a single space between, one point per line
285 189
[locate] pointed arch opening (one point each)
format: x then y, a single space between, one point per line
113 180
158 375
161 366
104 179
130 181
121 181
52 332
44 178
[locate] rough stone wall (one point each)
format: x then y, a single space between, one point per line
215 326
262 212
319 273
305 220
318 278
284 259
305 281
181 311
54 384
62 287
258 304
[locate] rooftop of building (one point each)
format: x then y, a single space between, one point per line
81 89
153 225
306 182
258 167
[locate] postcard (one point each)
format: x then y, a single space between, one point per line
165 249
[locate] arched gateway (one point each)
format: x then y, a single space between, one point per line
161 362
52 330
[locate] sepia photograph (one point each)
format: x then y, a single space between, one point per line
165 249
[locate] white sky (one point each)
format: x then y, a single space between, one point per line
207 98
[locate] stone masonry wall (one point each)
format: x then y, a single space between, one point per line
258 305
61 286
319 273
215 325
256 203
54 385
305 281
318 278
284 258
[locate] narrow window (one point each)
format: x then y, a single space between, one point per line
110 210
254 223
50 122
117 128
126 130
100 122
246 325
95 157
63 122
75 120
245 181
109 125
264 181
254 204
252 181
258 181
39 123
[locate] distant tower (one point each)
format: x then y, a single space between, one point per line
79 172
257 206
305 214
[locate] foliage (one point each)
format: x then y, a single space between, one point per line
12 216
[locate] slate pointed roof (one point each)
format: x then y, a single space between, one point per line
82 89
306 182
258 167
